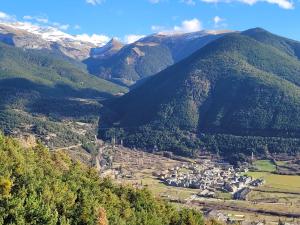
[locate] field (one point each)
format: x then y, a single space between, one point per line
264 165
275 182
278 199
138 168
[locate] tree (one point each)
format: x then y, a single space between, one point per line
5 187
102 219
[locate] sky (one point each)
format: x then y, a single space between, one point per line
129 20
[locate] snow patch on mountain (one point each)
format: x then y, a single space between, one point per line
53 34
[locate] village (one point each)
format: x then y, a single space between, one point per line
210 177
207 176
229 194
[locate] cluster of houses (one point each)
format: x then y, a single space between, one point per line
209 177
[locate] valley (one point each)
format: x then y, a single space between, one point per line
172 128
277 198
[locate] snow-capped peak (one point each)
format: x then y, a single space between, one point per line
53 34
31 36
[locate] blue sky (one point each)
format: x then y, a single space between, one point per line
129 18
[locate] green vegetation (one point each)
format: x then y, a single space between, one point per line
264 166
281 163
41 93
286 45
62 133
234 96
46 69
39 187
275 182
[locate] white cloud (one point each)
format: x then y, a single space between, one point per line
3 15
188 2
94 38
43 20
64 27
187 26
131 38
27 17
6 17
157 28
36 18
219 22
154 1
95 2
285 4
77 27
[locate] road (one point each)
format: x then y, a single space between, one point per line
67 148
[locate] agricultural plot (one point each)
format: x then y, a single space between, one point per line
264 165
278 198
276 182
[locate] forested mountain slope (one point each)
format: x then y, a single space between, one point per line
291 47
39 90
44 68
236 94
39 187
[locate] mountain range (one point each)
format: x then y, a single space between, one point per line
131 63
238 94
28 36
41 89
124 64
226 92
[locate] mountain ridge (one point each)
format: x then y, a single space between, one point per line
234 85
149 55
34 37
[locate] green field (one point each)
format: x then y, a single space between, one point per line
276 182
264 166
160 189
282 163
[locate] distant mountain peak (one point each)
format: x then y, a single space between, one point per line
30 36
115 43
256 30
113 46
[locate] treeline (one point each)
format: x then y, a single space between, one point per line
150 139
235 95
38 187
190 144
